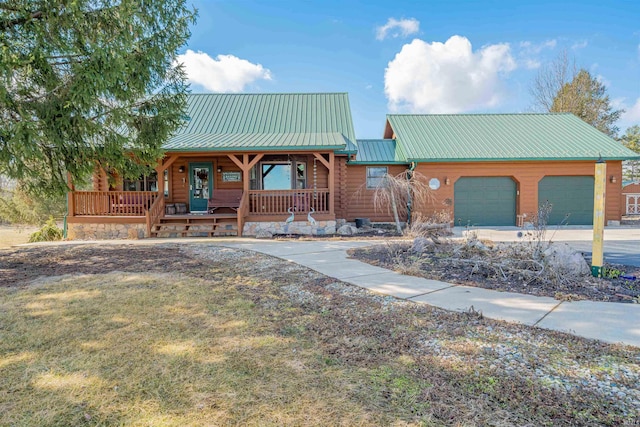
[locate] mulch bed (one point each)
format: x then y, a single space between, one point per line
437 265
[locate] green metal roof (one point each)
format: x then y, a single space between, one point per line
266 122
500 137
379 151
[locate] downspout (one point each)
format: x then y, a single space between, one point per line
412 167
64 219
64 223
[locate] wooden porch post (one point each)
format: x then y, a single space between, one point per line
163 166
246 173
330 165
332 183
160 173
245 165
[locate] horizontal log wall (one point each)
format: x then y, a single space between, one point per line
179 182
359 199
341 182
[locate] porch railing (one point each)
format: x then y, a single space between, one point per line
278 202
112 203
153 215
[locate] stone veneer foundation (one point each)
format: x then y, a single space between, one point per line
295 227
77 231
91 231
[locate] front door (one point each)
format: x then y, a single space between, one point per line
200 186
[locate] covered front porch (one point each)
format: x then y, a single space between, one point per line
190 181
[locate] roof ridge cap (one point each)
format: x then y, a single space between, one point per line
270 93
481 114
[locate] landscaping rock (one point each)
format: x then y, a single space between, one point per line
565 260
264 234
347 230
477 244
421 244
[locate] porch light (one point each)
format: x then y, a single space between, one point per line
613 179
447 181
219 169
181 169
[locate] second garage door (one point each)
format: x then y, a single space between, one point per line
571 198
485 201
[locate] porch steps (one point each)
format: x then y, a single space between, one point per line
208 225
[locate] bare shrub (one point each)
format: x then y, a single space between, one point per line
394 193
403 261
433 226
523 260
536 236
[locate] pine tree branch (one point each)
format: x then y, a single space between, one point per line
10 23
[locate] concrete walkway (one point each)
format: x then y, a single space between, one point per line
606 321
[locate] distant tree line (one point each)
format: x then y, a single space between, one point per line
560 87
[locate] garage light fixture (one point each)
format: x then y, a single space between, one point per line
613 179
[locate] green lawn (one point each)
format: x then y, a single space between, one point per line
14 235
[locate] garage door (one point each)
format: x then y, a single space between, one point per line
485 201
570 197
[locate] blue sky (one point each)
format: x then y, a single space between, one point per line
413 56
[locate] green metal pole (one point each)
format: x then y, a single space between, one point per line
597 258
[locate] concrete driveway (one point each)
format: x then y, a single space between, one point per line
621 244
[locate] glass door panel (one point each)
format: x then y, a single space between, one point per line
200 186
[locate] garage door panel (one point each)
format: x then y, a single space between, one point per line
571 198
485 201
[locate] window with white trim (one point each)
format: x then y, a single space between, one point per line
375 176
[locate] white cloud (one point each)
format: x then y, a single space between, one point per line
396 28
580 45
632 114
446 77
531 63
603 80
527 56
535 48
224 73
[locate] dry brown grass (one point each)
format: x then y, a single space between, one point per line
11 235
234 338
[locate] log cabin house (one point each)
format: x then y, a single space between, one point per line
291 164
